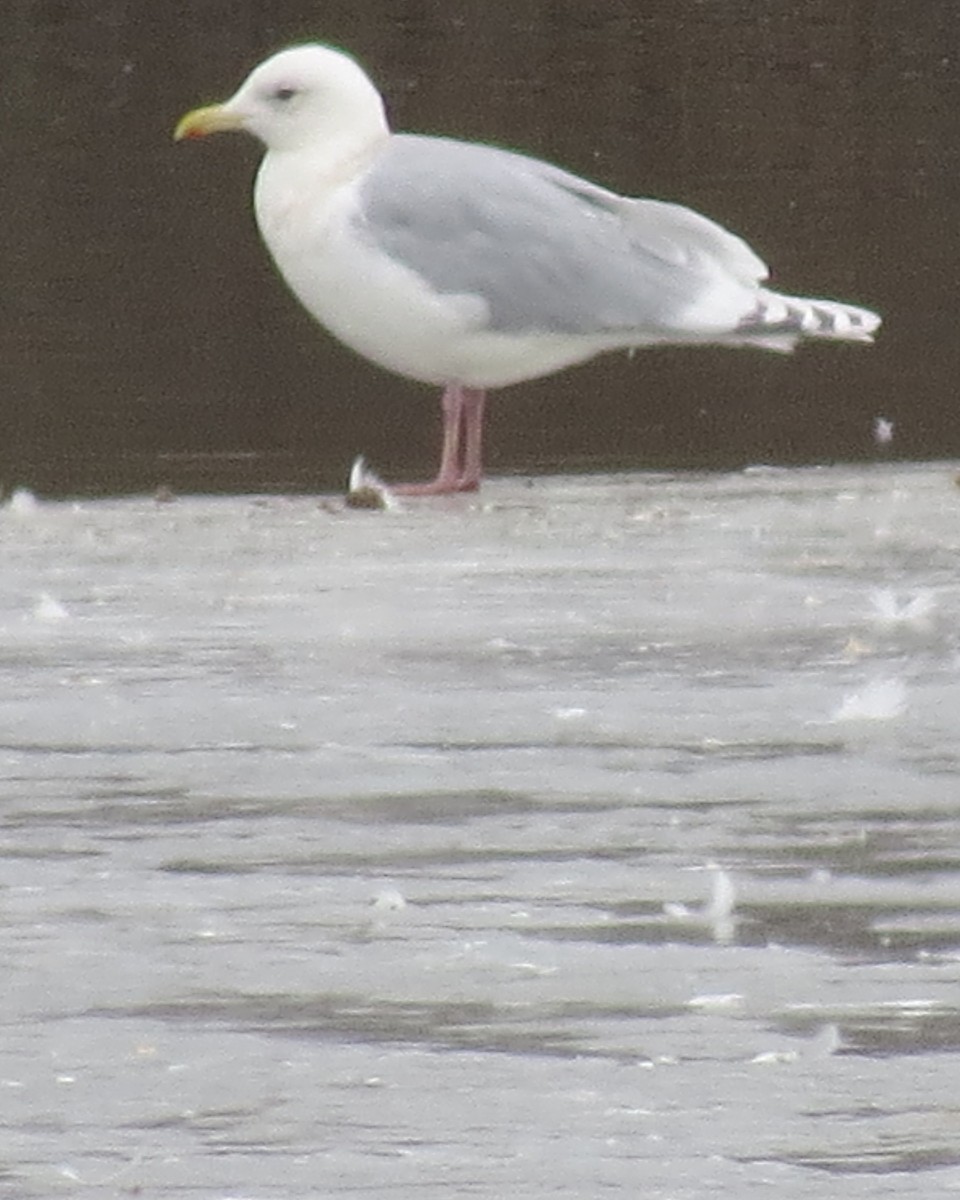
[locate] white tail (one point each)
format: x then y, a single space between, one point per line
788 318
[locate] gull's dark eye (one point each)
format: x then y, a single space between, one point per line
283 94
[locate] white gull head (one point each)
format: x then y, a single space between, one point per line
305 97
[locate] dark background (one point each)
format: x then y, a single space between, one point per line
145 340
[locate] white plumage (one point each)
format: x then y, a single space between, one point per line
470 267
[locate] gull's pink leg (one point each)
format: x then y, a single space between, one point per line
451 405
471 463
461 458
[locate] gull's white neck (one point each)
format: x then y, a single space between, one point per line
297 184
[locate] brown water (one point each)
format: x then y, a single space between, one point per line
145 339
367 853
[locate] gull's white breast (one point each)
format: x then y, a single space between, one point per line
311 222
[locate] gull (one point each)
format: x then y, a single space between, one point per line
470 267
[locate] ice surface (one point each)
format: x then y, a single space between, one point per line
365 851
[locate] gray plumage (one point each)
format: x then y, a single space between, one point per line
547 252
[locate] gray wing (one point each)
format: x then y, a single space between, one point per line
546 251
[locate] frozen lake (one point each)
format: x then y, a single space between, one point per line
372 853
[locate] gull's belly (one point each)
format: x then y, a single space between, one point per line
389 314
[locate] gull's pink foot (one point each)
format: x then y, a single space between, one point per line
461 459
